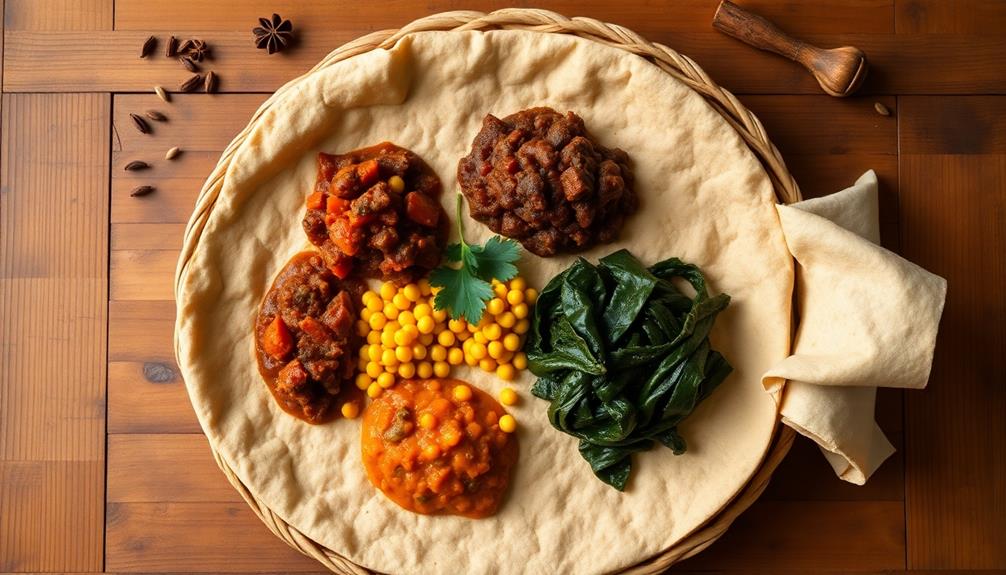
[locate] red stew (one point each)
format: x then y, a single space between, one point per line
433 453
538 177
376 212
305 338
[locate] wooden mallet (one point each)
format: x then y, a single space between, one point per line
839 71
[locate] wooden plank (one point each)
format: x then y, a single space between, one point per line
810 535
126 237
59 15
865 16
218 117
142 274
953 223
105 61
189 537
141 331
143 468
148 397
54 202
950 16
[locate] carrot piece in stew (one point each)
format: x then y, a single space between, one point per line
315 201
276 340
367 172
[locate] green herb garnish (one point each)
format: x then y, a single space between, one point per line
466 289
623 356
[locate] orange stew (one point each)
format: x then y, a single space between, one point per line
376 212
305 338
437 450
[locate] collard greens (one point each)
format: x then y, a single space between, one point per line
623 356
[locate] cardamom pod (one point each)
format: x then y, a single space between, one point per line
210 86
136 165
148 47
162 94
881 109
155 116
172 48
192 83
172 153
188 63
140 124
141 191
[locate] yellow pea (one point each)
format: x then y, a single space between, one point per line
424 286
462 392
406 318
350 410
424 370
500 290
441 369
506 372
397 184
407 370
520 360
362 327
507 395
388 291
426 324
518 283
455 357
401 302
426 338
422 310
403 353
471 360
374 351
495 349
438 352
386 380
507 319
446 338
374 337
487 364
508 424
374 391
495 306
363 381
365 314
388 339
404 337
520 311
374 369
492 332
390 311
480 337
375 305
457 325
412 292
477 350
427 421
440 315
522 326
530 295
511 342
515 296
464 335
378 321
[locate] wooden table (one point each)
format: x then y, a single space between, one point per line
102 464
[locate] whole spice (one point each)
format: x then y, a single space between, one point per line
210 85
162 94
188 63
155 116
273 35
192 83
184 48
881 109
140 124
197 50
141 191
136 165
172 153
172 48
148 47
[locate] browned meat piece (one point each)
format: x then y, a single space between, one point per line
338 317
393 195
300 299
422 209
538 177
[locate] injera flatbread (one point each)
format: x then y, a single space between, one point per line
704 198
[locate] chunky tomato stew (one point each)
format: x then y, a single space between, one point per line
538 177
376 212
435 446
305 337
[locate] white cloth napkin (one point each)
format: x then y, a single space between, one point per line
866 318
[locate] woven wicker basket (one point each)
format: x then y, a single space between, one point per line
674 64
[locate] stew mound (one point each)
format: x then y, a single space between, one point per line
305 337
538 177
376 212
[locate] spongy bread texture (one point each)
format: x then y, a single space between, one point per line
704 198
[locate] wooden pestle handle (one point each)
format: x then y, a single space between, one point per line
839 71
752 29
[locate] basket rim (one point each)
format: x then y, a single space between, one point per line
743 121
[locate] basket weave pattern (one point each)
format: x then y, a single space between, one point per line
680 67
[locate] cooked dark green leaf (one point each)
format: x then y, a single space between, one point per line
623 356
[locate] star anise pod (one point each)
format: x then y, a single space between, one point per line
196 51
273 35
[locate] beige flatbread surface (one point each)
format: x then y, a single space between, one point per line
704 198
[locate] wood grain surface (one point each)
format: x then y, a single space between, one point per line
103 466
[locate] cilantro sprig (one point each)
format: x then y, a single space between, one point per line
466 287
